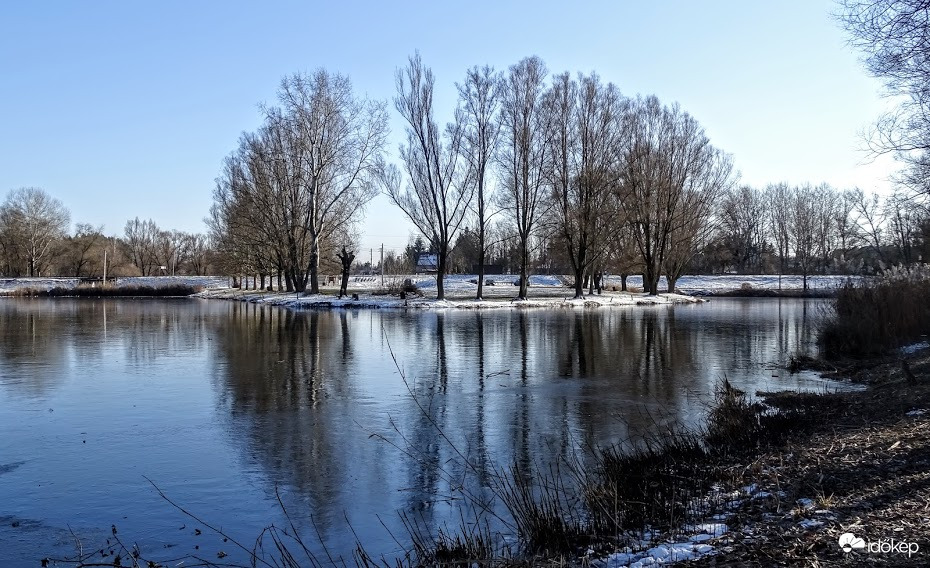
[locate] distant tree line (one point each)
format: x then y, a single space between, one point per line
36 240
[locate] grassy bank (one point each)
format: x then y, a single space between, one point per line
105 291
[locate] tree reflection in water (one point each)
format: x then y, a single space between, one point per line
296 395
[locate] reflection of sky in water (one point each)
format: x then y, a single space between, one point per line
220 403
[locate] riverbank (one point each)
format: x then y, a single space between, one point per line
850 462
547 298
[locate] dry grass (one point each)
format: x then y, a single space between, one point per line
871 317
107 291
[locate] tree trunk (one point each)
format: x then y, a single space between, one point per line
672 280
480 293
651 281
288 281
524 269
279 281
441 274
579 282
314 268
344 287
346 258
623 278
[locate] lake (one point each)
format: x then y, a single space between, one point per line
350 417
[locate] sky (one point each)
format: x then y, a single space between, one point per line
127 109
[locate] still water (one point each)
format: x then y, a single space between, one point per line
349 416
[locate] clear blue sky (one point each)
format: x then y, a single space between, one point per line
123 109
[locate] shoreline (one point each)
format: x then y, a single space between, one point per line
854 462
294 301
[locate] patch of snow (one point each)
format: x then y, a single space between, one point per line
806 503
914 348
293 300
713 529
917 412
810 524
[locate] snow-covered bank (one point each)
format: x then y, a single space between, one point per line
323 301
8 285
500 286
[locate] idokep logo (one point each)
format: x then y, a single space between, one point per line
849 542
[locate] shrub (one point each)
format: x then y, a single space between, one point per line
873 316
108 291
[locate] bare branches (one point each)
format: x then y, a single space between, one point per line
438 189
301 179
31 222
894 36
524 154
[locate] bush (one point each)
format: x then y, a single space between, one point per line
874 316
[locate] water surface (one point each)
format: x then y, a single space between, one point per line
349 416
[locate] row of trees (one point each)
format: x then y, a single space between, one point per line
535 171
35 240
807 229
610 180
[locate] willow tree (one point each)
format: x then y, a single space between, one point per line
37 222
583 119
668 172
307 173
438 191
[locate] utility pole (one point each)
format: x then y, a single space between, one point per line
382 265
104 265
371 259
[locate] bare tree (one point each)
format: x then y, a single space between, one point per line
582 119
339 143
12 243
778 199
894 35
847 232
82 253
693 228
804 228
665 157
199 248
870 220
902 225
140 244
523 154
307 172
39 221
437 192
479 100
742 216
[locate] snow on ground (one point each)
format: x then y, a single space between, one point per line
293 300
500 285
698 285
914 348
711 533
11 284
